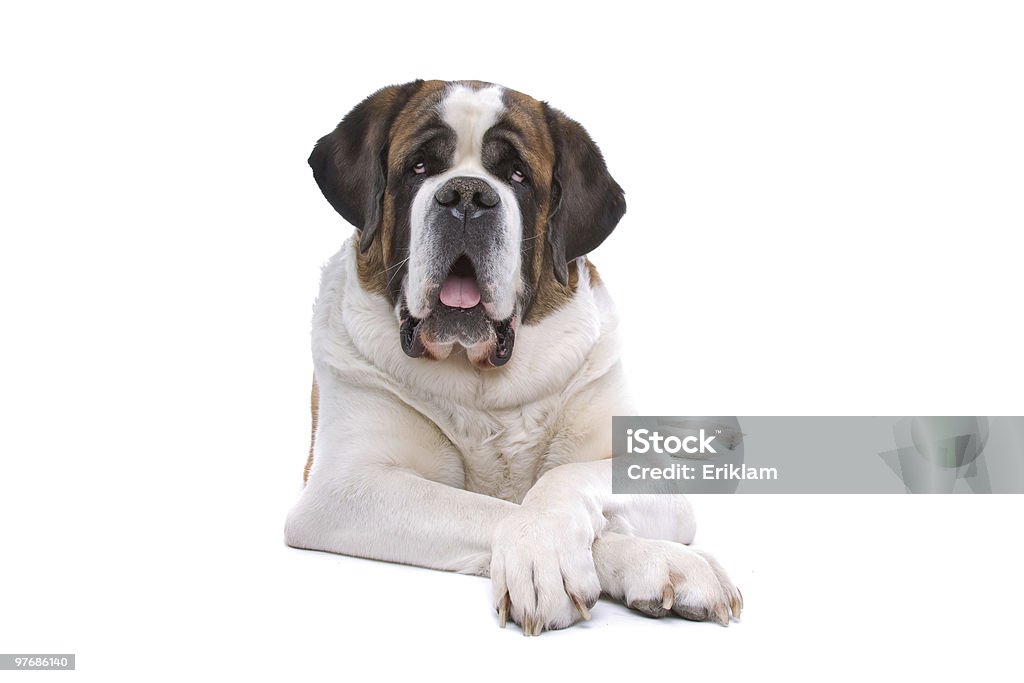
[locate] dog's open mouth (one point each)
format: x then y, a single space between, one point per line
460 289
459 318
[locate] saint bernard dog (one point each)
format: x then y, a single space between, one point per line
467 365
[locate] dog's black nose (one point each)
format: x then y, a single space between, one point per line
467 195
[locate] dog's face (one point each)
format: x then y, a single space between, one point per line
472 201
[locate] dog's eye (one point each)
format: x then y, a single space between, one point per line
419 168
518 176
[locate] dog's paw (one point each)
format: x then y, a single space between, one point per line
542 571
662 577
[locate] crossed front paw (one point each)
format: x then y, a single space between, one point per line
542 572
663 577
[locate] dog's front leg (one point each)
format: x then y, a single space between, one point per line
389 489
666 517
398 516
540 552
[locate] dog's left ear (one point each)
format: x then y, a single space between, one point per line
586 201
350 163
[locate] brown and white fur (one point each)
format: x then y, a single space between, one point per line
439 451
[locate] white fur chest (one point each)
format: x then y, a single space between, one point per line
502 451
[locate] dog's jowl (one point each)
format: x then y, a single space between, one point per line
467 366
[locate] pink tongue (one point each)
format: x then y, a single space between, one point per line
460 292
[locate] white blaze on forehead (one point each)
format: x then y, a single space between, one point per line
471 113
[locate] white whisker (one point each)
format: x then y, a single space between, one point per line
397 271
397 265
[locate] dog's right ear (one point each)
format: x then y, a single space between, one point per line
350 163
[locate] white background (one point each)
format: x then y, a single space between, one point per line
824 218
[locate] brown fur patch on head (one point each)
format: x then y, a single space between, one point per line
373 266
552 295
371 269
526 115
418 115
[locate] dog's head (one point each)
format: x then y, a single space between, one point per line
472 203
